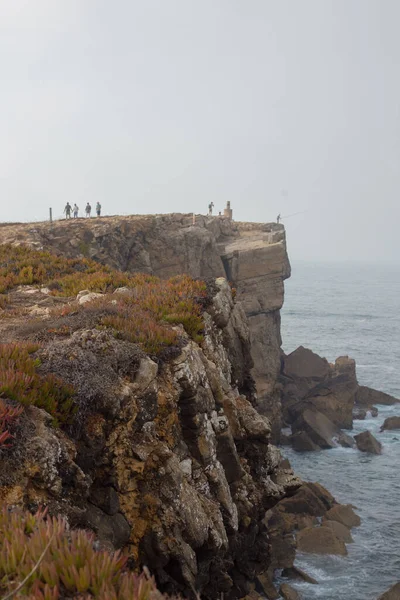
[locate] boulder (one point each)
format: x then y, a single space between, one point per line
340 530
303 502
318 428
322 494
289 593
367 443
359 413
343 513
298 574
373 410
391 423
320 540
392 594
366 396
301 442
89 297
335 399
345 440
303 363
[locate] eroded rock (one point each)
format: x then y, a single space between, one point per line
320 540
366 442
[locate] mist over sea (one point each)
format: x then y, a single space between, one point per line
355 310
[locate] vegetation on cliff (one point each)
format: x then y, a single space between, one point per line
144 315
41 559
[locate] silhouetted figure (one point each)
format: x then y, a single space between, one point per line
278 218
67 210
98 209
76 211
88 210
210 208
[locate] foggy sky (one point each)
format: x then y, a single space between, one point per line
165 105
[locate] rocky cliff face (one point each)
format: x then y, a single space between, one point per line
251 255
169 459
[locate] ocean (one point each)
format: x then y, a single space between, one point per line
355 310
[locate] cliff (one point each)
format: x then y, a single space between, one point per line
156 449
252 256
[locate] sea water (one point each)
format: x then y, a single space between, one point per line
355 310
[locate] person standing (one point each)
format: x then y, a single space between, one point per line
278 218
67 210
210 208
98 209
88 210
76 210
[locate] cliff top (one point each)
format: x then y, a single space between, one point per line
35 233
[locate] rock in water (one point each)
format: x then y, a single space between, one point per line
289 593
318 428
391 423
299 574
344 513
359 414
301 442
368 396
392 594
340 530
367 443
320 540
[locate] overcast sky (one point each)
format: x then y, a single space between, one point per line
165 105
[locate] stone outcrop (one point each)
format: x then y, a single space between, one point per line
319 398
368 397
309 520
310 382
313 426
168 459
366 442
391 423
320 540
252 256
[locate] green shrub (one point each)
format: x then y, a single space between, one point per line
59 563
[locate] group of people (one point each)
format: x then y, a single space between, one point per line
75 210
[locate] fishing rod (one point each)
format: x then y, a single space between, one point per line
294 214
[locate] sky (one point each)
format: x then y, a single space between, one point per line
157 106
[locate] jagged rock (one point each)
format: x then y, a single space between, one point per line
320 540
343 513
340 530
367 396
391 423
305 364
366 442
373 410
310 382
301 442
252 256
298 574
321 493
289 593
392 594
320 430
304 501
